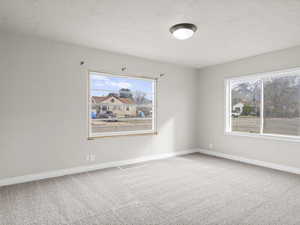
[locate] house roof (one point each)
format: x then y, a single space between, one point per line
126 100
99 99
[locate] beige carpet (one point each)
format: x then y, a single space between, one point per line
193 189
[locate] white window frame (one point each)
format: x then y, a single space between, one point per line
153 131
228 117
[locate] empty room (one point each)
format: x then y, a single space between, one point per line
149 112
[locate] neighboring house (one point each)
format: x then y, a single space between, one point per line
238 108
120 106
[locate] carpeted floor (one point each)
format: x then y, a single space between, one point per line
188 190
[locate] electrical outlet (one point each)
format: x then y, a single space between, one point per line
92 157
211 146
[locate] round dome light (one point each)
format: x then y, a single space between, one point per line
183 31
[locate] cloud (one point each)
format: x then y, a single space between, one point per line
102 81
99 78
120 84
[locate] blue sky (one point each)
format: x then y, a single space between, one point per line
102 84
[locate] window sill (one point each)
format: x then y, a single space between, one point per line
276 137
118 134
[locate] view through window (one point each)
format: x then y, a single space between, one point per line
245 102
265 104
120 105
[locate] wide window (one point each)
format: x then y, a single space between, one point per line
264 105
121 105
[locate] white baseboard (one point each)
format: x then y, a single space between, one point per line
81 169
275 166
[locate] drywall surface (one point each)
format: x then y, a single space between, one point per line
211 109
43 115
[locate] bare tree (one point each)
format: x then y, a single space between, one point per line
140 97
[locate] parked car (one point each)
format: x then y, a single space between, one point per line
108 115
94 115
235 114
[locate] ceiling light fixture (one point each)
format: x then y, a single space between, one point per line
183 31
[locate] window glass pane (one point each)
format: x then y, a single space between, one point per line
120 125
245 106
120 104
282 105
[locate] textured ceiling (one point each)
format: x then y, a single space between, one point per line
227 29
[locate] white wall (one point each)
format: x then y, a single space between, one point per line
43 114
211 110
